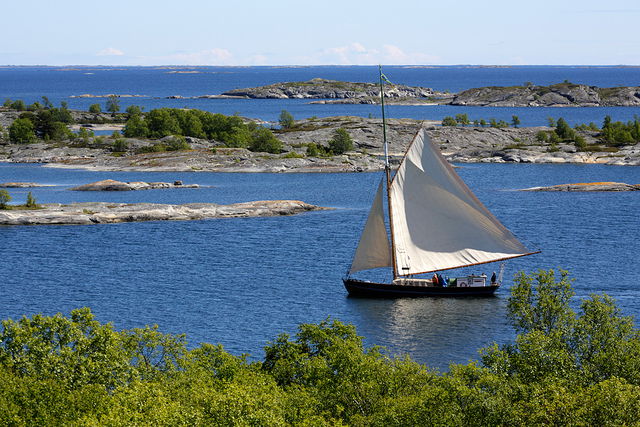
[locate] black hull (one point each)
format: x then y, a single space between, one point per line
363 288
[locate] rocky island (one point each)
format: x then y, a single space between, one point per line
589 186
565 94
462 144
558 95
347 92
107 213
113 185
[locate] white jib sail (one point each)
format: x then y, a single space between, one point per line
438 223
373 249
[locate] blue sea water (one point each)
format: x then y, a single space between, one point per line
155 84
240 282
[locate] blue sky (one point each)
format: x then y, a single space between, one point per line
283 32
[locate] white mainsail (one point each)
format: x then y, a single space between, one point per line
373 249
437 222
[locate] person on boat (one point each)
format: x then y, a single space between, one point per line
441 280
493 278
434 279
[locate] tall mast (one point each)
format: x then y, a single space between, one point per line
387 170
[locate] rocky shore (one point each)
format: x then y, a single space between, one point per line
113 185
558 95
458 144
333 89
564 94
589 186
107 213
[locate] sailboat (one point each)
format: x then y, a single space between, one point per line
435 223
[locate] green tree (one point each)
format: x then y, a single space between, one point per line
18 105
31 201
136 127
120 145
95 109
22 131
551 122
161 122
449 121
483 122
515 121
113 104
46 103
264 141
580 142
341 142
133 110
541 136
5 198
564 131
462 119
286 119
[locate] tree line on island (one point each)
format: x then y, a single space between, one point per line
565 367
43 121
612 134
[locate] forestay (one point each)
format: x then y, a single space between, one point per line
373 249
437 222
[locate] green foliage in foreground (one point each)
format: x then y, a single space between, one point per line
564 368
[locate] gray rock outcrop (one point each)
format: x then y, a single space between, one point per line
558 95
588 186
331 89
113 185
106 213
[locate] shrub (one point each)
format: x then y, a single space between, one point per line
580 142
286 119
113 104
120 145
178 143
18 105
542 136
22 131
264 141
341 142
95 108
462 119
5 198
136 127
449 121
31 201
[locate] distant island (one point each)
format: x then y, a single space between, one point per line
565 94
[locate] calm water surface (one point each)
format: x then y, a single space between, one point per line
155 84
240 282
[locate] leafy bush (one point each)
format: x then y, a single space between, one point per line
120 145
22 131
541 136
31 201
341 142
565 367
95 108
286 119
449 121
263 140
5 198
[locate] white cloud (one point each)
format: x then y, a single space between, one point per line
110 51
357 54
